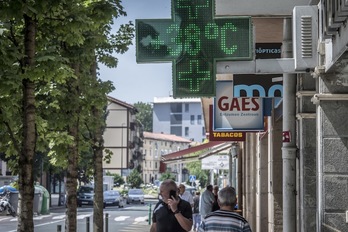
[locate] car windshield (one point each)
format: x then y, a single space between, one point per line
112 193
135 191
86 190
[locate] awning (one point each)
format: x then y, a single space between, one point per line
180 154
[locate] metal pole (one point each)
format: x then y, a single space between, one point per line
149 214
230 176
59 228
122 148
106 222
87 224
289 126
240 180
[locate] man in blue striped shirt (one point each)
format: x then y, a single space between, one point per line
225 220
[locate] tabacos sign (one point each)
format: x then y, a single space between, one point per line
236 114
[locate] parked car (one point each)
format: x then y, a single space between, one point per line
135 195
85 195
113 197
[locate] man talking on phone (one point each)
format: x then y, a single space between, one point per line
171 214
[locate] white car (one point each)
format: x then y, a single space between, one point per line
135 195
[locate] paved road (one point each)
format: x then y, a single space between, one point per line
127 219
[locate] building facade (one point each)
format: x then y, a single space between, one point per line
180 117
154 147
123 138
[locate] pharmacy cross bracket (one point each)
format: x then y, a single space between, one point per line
193 40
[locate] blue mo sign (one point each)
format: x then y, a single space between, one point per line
193 40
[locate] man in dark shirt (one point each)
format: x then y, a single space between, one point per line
215 204
171 214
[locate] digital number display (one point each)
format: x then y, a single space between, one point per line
193 40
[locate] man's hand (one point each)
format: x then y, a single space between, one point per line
173 203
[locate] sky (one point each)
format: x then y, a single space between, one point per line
139 82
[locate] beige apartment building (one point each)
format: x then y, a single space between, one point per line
154 146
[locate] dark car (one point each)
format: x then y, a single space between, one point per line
135 195
113 197
85 195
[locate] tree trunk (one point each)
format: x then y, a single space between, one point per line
71 182
98 205
26 179
73 155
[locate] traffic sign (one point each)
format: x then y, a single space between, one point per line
193 40
192 178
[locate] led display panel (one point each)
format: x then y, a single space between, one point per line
193 40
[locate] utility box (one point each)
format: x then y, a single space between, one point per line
108 183
14 199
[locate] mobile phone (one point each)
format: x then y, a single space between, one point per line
172 193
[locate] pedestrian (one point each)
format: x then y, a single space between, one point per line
206 201
196 215
171 213
185 195
225 219
215 204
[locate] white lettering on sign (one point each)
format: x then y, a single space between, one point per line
230 113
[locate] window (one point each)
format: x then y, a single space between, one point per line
156 165
186 131
203 131
192 119
199 119
176 119
176 108
176 130
187 107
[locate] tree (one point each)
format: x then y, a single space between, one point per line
144 115
47 50
167 175
118 179
135 179
195 168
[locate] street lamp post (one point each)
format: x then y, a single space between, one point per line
123 124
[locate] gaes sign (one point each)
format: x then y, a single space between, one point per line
240 114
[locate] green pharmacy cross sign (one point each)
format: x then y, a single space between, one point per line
193 40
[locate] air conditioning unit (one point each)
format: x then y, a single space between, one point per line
305 37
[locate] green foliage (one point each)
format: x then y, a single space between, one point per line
135 179
117 178
69 34
167 175
144 116
195 168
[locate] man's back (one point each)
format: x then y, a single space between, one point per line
224 221
206 202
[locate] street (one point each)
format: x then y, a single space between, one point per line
133 217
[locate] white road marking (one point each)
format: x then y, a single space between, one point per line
140 219
83 216
58 217
121 218
41 217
